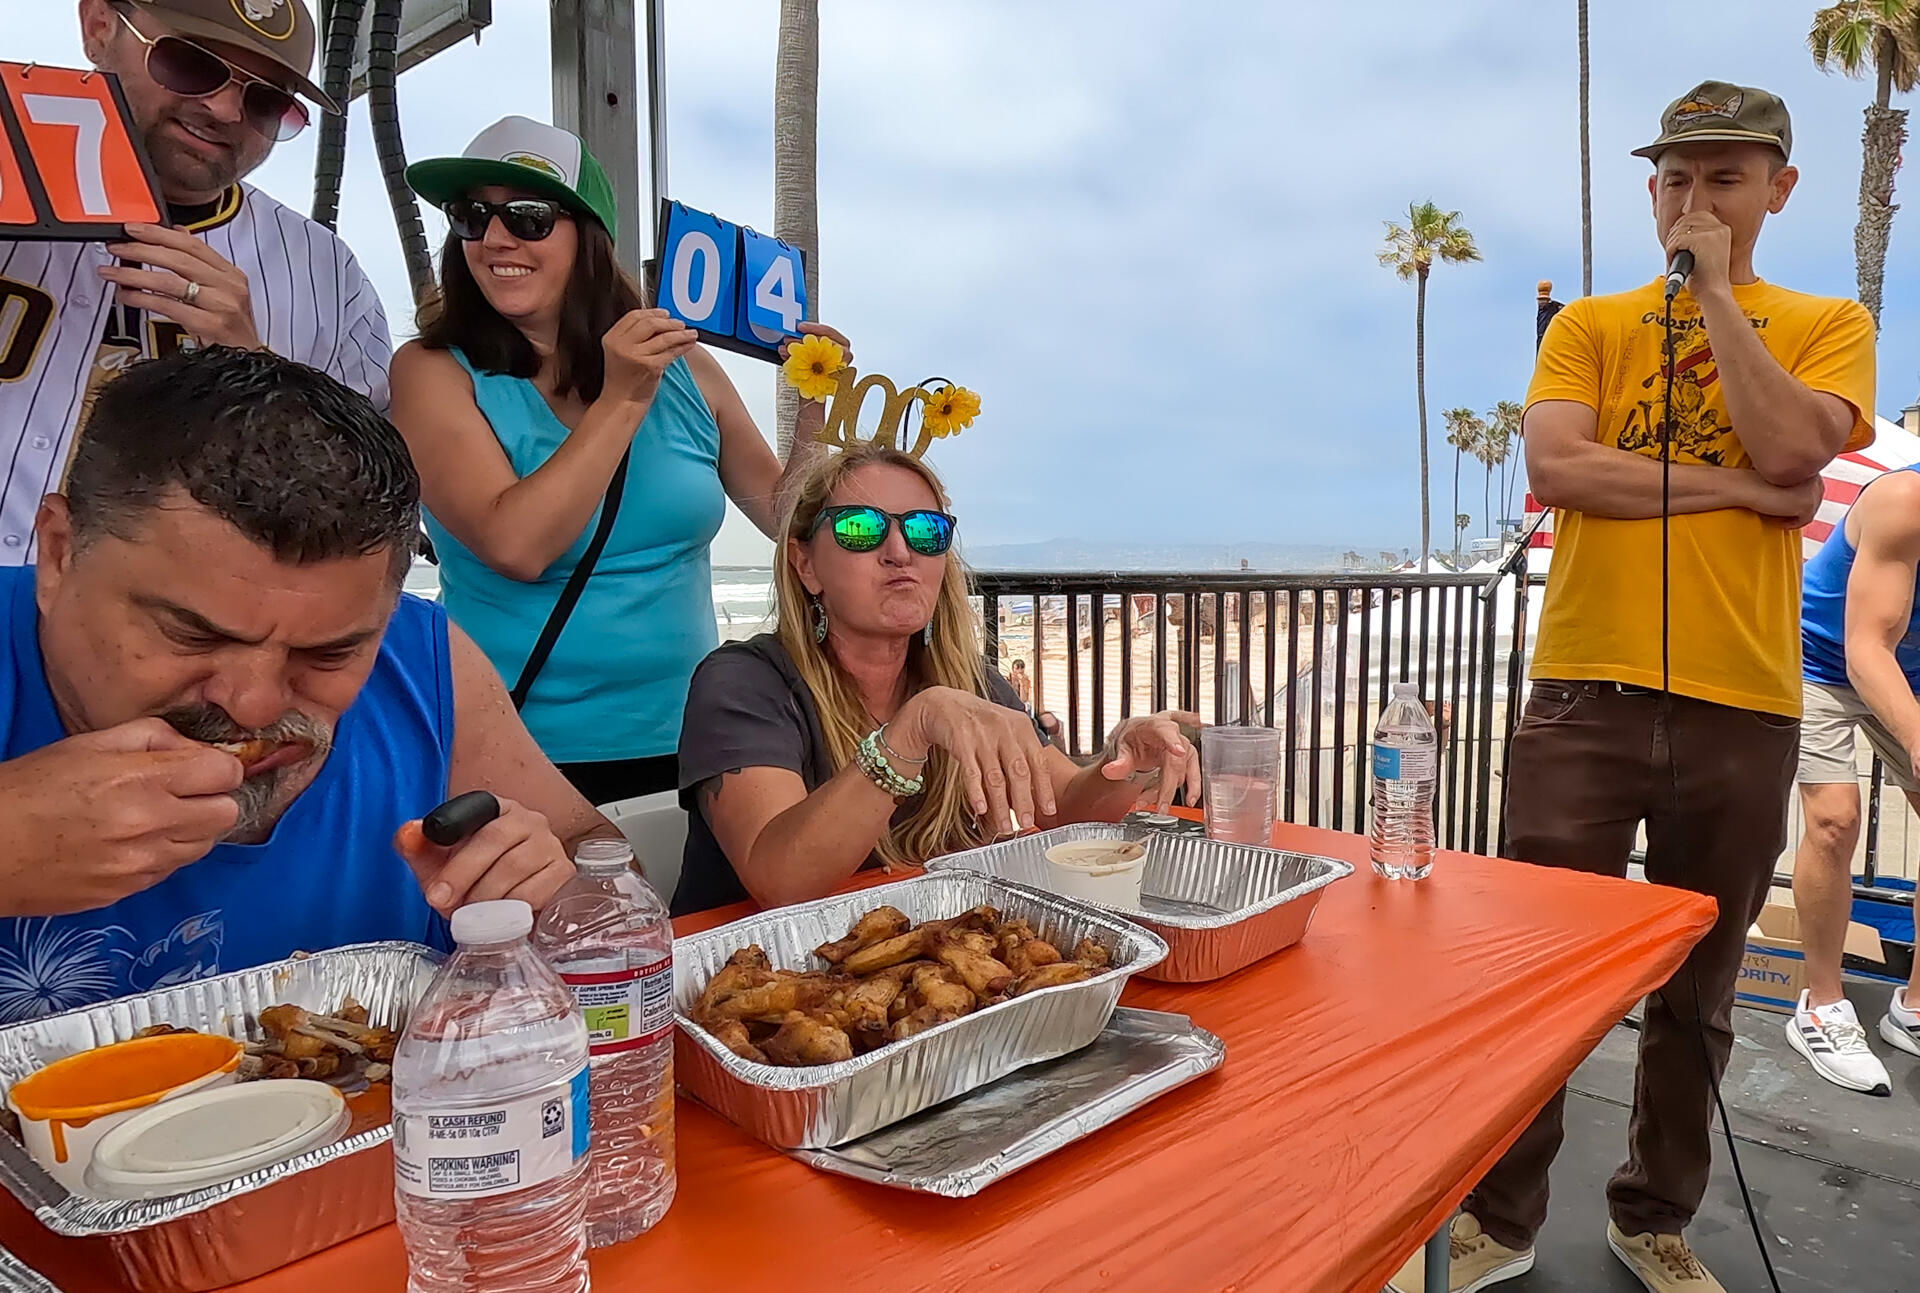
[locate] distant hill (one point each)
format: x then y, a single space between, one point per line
1074 554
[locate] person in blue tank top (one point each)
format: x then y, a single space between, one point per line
1860 670
539 376
220 719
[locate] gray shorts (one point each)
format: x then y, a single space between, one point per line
1827 724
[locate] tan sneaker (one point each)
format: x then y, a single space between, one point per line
1664 1263
1475 1262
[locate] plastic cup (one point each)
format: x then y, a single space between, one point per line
1240 772
1107 872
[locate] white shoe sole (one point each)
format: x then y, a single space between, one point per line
1513 1270
1894 1035
1840 1080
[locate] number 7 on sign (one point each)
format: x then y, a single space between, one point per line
69 166
773 289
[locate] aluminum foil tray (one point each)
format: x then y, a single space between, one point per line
961 1147
831 1104
1220 907
223 1234
18 1277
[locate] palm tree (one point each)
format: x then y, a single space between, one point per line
796 213
1430 234
1586 170
1464 430
1504 420
1852 36
1495 443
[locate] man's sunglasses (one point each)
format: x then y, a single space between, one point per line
858 528
528 219
184 68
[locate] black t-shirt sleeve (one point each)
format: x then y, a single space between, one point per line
740 714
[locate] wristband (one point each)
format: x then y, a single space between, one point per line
883 774
887 749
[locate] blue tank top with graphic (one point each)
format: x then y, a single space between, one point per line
326 877
1823 614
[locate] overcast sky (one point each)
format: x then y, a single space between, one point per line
1145 233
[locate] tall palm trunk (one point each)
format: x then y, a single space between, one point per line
1420 385
1486 493
1586 169
796 214
1880 146
1456 506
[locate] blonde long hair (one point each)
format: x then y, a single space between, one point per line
941 821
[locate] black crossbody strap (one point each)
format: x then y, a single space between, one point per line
576 584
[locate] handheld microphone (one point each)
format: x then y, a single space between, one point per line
1679 269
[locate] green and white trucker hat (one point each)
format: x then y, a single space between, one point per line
523 154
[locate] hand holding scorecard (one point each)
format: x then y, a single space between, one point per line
70 167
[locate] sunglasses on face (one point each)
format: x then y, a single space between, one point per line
859 528
528 219
181 67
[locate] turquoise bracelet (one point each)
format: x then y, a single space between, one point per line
882 773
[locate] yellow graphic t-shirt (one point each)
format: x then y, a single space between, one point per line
1735 593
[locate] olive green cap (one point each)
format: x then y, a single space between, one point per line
1715 112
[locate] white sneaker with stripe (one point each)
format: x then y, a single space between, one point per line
1836 1045
1901 1026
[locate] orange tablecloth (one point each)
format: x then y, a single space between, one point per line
1372 1074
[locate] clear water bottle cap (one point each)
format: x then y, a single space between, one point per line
601 855
501 921
1410 690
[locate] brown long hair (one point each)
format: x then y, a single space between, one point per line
599 294
941 821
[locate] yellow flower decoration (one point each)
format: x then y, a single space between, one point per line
812 365
950 411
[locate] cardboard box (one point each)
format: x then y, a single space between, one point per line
1774 971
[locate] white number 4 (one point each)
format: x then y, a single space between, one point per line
90 122
775 293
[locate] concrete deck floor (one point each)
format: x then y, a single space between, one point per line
1835 1176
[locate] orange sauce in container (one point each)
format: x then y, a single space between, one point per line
74 1091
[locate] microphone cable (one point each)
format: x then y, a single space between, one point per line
1672 359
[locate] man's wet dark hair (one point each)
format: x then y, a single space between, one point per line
282 452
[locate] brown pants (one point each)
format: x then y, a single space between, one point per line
1591 761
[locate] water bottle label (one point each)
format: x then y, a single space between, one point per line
476 1153
625 1009
1391 763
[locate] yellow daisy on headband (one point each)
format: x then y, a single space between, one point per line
949 411
812 363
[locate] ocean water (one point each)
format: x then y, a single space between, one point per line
742 597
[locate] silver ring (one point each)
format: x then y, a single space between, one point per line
192 293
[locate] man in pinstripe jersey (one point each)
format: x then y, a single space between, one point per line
233 267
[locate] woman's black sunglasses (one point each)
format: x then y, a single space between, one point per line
858 528
528 219
184 68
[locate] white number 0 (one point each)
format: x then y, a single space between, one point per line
695 245
90 121
774 293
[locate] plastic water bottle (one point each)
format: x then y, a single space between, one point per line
608 935
1405 762
490 1122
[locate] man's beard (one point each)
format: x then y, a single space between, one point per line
177 167
264 798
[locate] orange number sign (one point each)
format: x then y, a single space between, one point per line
69 167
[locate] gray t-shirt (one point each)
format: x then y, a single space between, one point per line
748 707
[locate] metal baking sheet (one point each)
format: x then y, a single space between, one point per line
212 1237
961 1147
18 1277
831 1104
1219 907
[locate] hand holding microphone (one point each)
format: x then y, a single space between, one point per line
1699 252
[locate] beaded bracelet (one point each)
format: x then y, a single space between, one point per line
884 774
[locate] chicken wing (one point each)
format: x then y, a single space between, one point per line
919 1021
910 946
1052 976
867 1003
804 1040
776 1000
1024 955
732 1034
936 986
985 977
877 925
746 968
1092 955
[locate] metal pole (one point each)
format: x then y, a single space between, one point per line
657 104
596 95
1439 1258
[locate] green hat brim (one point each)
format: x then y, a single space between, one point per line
441 180
1653 150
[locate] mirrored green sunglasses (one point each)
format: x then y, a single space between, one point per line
859 528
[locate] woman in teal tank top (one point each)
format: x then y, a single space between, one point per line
539 372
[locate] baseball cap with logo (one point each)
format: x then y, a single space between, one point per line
1715 111
278 30
522 154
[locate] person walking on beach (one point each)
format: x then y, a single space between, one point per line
1022 684
1767 385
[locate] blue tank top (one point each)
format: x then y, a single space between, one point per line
616 683
1823 614
326 877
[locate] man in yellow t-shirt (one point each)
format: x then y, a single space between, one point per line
1767 386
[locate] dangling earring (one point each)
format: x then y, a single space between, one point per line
819 620
926 636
